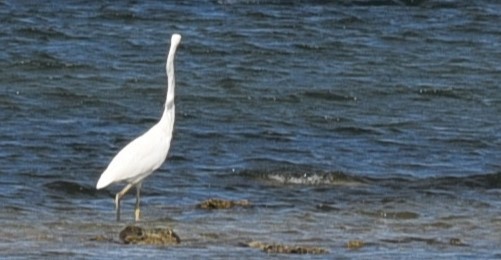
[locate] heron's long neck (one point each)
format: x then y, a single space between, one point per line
171 81
169 110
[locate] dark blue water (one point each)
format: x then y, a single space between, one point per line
338 120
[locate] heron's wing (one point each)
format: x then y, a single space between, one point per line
137 159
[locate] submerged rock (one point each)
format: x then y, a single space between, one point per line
456 242
153 236
286 249
222 204
101 238
355 244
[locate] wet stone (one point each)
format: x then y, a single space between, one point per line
101 238
355 244
286 249
149 236
222 204
456 242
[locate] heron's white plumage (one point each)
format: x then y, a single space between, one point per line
145 154
139 158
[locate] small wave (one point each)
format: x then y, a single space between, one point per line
45 60
110 12
328 96
302 175
401 215
256 2
67 188
308 179
43 32
383 2
358 130
443 92
467 142
343 2
299 175
479 181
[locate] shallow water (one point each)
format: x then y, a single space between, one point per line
354 120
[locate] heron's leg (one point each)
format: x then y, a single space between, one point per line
137 211
119 197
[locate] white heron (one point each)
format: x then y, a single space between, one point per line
138 159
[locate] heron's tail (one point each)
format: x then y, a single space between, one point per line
103 182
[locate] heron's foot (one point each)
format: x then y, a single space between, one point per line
137 213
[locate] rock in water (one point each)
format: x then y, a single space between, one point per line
222 204
355 244
286 249
153 236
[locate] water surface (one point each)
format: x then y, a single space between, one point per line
346 120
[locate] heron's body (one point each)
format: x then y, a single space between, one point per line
145 154
140 157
